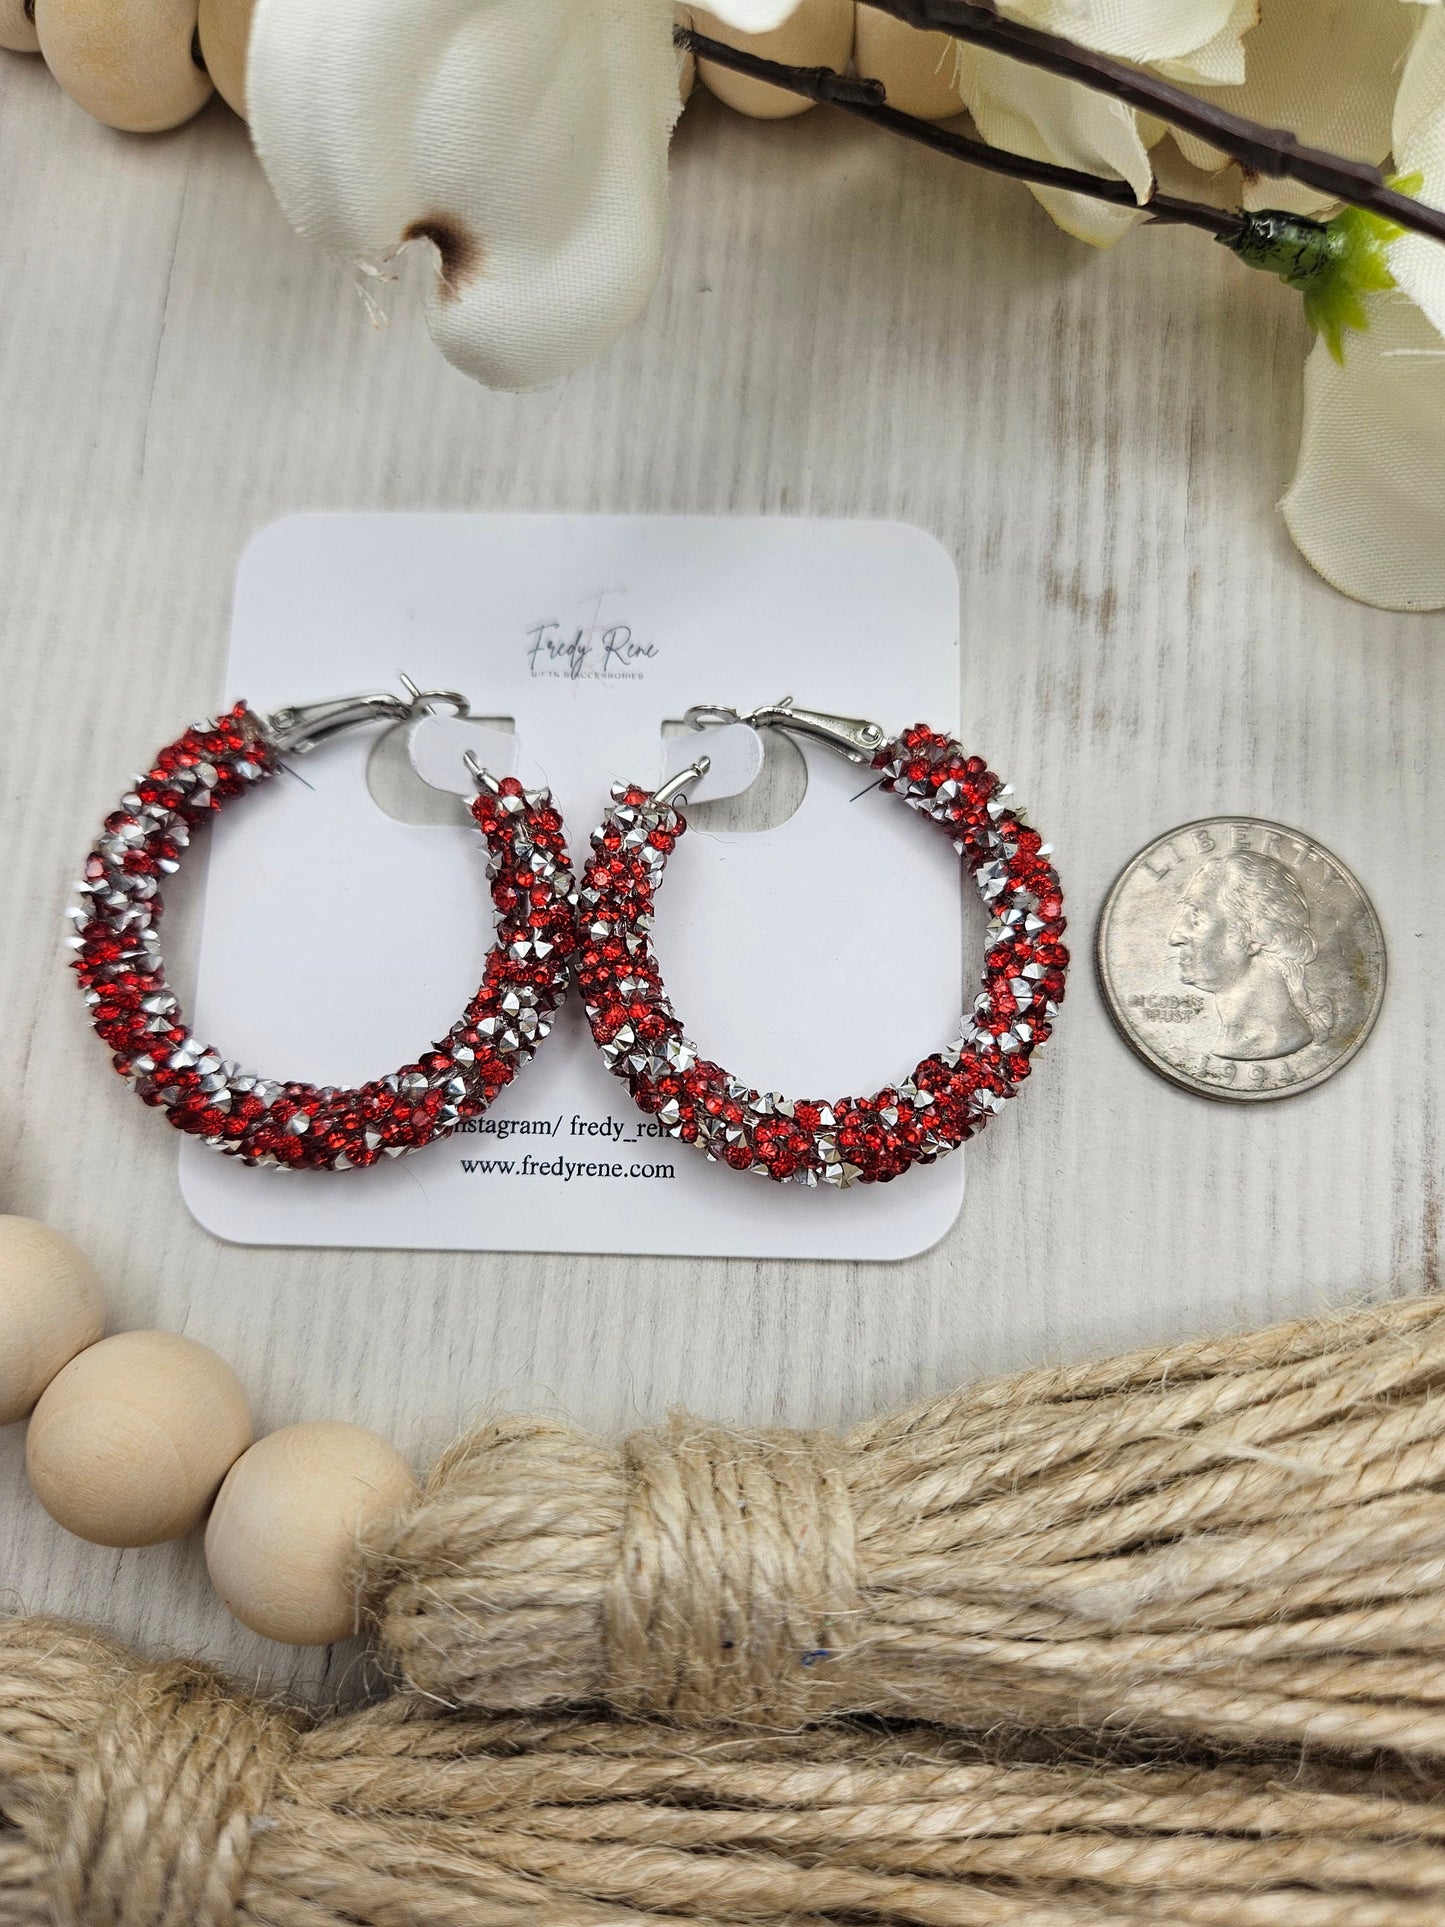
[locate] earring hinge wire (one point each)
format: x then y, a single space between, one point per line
851 736
301 727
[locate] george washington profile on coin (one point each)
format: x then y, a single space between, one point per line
1243 935
1241 959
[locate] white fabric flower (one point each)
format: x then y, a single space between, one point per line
1196 41
527 139
1049 119
1046 118
1190 40
1327 72
1367 505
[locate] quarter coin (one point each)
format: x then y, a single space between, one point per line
1241 959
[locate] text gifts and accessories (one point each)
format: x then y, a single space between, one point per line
950 1095
263 1121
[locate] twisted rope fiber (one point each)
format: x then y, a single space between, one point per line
1242 1538
153 1796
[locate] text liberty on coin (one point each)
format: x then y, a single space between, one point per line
1241 959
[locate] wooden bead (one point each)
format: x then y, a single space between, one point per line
919 70
225 30
129 63
819 34
131 1441
50 1308
281 1543
17 29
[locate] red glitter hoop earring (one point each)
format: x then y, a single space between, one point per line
295 1125
950 1096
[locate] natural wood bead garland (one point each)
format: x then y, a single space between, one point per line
919 70
131 1439
1240 1540
17 28
282 1536
818 34
129 1444
129 63
50 1308
224 27
133 65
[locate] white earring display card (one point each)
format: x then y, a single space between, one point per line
820 957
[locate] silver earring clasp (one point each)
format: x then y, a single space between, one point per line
851 736
301 727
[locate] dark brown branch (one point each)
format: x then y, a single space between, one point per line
1272 151
867 100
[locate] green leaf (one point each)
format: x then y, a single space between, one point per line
1333 264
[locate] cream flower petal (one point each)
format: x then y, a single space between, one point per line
526 138
1190 40
1422 85
1367 505
1327 72
1037 114
1220 61
1419 264
1049 119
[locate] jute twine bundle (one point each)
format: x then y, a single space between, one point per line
1241 1537
140 1796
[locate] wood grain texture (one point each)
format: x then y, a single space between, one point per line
845 327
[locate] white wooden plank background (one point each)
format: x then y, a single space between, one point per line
845 327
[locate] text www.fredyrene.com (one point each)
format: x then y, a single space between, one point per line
564 1168
611 1129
